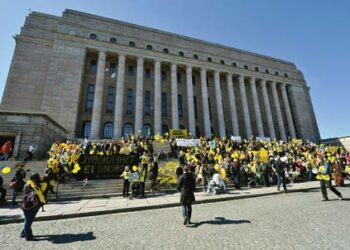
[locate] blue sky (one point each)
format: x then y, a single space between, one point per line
315 35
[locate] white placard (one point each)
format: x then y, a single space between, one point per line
263 139
236 138
187 142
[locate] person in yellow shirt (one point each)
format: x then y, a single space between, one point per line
125 175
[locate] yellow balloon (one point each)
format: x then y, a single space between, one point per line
76 168
134 168
6 170
216 167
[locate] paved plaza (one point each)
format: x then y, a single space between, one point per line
297 220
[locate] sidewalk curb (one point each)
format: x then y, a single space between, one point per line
134 209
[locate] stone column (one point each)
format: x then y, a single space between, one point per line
139 97
97 106
278 112
157 98
257 112
219 107
174 98
119 98
233 109
248 128
288 111
190 102
205 103
268 110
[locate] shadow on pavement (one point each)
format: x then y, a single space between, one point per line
66 238
7 217
219 221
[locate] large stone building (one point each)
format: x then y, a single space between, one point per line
104 78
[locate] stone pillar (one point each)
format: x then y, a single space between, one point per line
268 110
219 107
257 112
139 97
288 111
233 109
119 97
205 103
157 99
278 112
190 102
174 98
248 128
97 106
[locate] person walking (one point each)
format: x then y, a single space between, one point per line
280 168
32 201
5 150
30 153
20 175
2 191
126 184
324 175
187 185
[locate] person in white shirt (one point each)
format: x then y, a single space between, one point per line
216 181
30 153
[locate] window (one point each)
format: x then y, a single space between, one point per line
130 70
256 69
93 36
195 56
178 76
112 68
90 98
110 98
276 73
222 61
267 71
128 130
209 59
245 66
149 47
113 40
164 105
86 129
193 79
195 107
93 65
179 103
147 73
129 102
146 130
165 129
286 75
165 50
108 130
163 76
147 102
209 109
234 64
181 53
132 44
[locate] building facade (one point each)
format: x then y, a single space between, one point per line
103 78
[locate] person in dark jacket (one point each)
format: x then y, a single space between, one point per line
280 167
2 191
187 185
20 175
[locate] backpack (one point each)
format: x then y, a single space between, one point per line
30 200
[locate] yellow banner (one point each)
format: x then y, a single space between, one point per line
179 133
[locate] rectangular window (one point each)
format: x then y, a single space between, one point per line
147 102
209 108
130 70
164 105
179 103
93 66
112 68
195 107
178 77
163 76
147 73
110 97
129 102
90 97
193 79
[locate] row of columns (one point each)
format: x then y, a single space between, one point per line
119 100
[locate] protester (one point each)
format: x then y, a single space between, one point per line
30 153
2 191
32 201
153 174
125 175
18 179
280 167
6 150
187 185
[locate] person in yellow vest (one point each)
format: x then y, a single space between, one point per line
33 199
143 175
324 175
125 175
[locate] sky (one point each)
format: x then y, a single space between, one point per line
313 34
